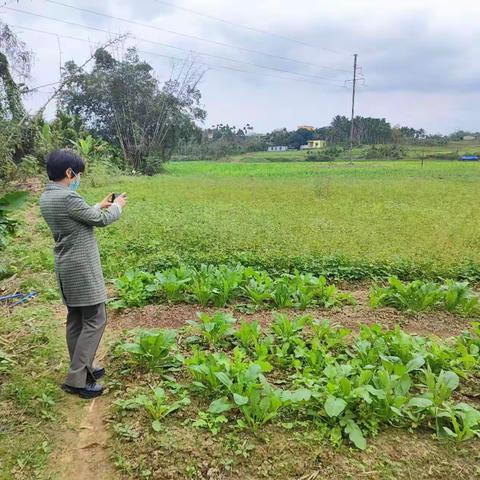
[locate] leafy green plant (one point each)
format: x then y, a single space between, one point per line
215 329
173 283
415 296
460 422
283 293
226 284
153 350
258 288
286 329
458 297
135 289
352 387
248 334
204 368
9 203
213 423
328 296
256 399
203 284
418 296
157 407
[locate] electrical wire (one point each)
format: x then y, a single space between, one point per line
154 27
155 54
247 27
67 22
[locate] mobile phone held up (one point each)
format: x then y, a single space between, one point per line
113 196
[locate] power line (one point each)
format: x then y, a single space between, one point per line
246 27
67 22
154 27
212 66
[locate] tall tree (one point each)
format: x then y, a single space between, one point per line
15 59
122 101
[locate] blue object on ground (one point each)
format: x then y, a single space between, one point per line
20 296
470 158
10 297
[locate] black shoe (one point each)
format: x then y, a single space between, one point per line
98 373
91 390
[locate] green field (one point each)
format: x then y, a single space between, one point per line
351 220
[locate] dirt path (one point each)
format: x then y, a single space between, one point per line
83 447
82 452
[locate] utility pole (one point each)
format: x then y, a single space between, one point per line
353 104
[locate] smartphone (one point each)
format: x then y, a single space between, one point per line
113 196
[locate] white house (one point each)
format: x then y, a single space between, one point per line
278 148
313 144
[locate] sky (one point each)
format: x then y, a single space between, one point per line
279 63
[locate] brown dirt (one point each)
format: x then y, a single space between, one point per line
33 185
84 438
440 324
281 454
83 449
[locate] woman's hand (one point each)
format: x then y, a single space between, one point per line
121 200
105 203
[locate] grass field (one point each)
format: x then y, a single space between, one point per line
353 220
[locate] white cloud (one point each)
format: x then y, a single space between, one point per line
419 58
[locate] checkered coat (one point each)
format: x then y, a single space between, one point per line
77 260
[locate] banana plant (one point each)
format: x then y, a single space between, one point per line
84 146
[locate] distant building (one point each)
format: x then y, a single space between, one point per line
313 144
469 137
278 148
306 127
316 143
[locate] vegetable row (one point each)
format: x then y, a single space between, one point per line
304 370
244 286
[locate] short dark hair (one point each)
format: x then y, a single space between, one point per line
59 161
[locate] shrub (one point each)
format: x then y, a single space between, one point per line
324 155
392 151
9 203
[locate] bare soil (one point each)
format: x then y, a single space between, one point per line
440 324
83 453
83 439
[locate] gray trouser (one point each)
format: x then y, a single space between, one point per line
85 326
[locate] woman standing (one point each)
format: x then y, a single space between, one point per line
77 265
